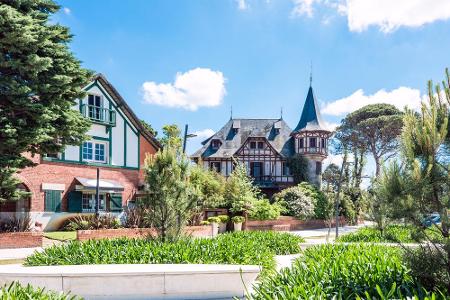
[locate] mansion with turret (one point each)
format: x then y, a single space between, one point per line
265 145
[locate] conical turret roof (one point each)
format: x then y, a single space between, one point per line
310 119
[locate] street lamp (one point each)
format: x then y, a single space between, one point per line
187 136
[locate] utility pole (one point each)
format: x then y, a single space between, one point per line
186 136
336 201
97 195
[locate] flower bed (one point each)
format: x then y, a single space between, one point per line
391 234
342 272
243 248
17 291
83 235
289 222
20 240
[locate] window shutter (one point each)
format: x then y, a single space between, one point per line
115 204
52 201
74 201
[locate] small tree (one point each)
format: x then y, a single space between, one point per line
298 165
171 199
239 190
171 136
298 201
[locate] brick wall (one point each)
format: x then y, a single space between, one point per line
83 235
65 173
20 240
285 222
145 149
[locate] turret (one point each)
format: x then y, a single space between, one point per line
311 137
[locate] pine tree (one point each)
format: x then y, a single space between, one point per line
39 82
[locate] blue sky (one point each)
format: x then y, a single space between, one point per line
255 55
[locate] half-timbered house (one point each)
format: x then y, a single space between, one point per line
264 146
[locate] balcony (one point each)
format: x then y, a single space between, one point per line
99 115
271 180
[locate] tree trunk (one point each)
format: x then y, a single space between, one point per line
378 166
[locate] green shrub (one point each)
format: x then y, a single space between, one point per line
214 220
204 223
90 222
253 248
16 291
391 234
297 201
238 219
223 218
342 272
263 210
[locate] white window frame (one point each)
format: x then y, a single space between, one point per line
94 143
212 165
91 200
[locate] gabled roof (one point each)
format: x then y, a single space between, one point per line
231 140
310 119
122 104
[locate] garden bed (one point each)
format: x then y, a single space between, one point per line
391 234
286 223
28 239
83 235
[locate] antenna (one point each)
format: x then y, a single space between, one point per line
231 112
310 75
281 113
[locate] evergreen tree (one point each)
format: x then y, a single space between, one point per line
171 198
172 136
39 82
240 192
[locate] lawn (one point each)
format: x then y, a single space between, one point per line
61 235
392 234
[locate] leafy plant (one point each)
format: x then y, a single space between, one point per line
91 222
298 201
298 165
205 223
135 217
257 248
215 220
17 291
238 219
239 190
223 218
341 272
263 210
16 224
391 234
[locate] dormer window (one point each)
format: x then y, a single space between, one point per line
215 144
253 145
95 105
236 125
260 145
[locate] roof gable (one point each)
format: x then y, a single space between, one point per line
310 118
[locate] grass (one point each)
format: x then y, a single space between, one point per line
17 291
249 248
338 271
61 235
392 234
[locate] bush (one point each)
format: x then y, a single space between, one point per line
263 210
16 291
16 224
297 202
341 272
391 234
214 220
254 248
238 219
135 217
91 222
223 218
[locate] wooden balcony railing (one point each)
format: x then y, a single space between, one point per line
99 114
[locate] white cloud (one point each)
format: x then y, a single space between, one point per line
67 10
195 88
303 8
204 133
333 159
330 125
389 15
400 97
242 5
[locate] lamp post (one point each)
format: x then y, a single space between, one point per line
186 136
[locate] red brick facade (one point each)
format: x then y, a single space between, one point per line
145 149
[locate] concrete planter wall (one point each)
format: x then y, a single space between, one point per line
237 226
214 229
10 240
138 281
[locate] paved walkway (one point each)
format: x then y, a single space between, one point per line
19 253
322 232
